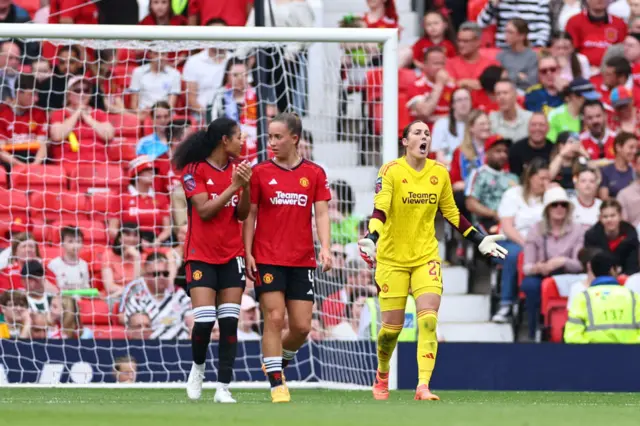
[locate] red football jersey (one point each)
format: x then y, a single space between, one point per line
166 178
420 48
635 74
384 22
29 127
147 210
593 38
285 200
219 239
422 87
599 149
91 147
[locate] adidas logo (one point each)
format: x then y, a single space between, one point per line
404 181
310 292
273 182
209 182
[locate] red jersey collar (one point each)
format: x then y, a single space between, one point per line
134 191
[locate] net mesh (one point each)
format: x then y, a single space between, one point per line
79 121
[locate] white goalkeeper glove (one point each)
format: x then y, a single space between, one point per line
368 251
489 247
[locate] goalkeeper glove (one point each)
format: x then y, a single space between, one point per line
367 247
489 247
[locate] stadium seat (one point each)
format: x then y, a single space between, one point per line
52 206
39 178
93 311
553 308
126 125
13 204
122 150
94 232
93 254
98 205
99 178
110 332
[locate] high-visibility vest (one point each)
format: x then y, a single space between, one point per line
604 314
409 331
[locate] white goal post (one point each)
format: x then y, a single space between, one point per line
353 367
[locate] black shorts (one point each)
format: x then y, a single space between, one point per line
296 283
216 277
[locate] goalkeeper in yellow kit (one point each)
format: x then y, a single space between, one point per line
409 192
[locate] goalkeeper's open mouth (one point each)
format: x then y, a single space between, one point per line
423 148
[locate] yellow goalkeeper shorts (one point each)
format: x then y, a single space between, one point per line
394 282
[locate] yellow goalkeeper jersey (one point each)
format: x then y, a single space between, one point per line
407 201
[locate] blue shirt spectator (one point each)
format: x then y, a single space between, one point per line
156 144
544 96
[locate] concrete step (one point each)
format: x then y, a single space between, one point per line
455 280
476 332
336 154
461 308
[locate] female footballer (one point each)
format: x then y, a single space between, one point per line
409 192
217 191
279 249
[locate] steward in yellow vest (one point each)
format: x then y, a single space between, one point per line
606 312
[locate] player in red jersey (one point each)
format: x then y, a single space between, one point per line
217 191
280 253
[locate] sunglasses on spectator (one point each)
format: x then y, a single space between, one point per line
559 204
157 274
466 40
550 70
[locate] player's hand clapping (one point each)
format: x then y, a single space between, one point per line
241 175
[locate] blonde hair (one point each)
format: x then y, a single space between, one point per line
466 147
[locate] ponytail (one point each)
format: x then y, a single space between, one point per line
199 145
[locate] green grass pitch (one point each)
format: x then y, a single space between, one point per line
141 407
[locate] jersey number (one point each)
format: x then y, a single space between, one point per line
434 270
240 261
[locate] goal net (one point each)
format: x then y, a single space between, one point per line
93 215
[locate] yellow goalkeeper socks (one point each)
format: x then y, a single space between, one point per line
387 339
427 345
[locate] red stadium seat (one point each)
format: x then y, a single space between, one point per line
99 178
94 232
52 207
13 203
553 308
94 311
93 254
99 206
110 332
406 78
122 150
50 178
126 125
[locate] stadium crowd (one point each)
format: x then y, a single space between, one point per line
534 112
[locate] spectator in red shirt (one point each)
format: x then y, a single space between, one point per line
429 96
381 14
80 132
437 32
141 205
597 139
359 283
161 13
121 262
466 68
631 48
485 99
616 72
234 13
23 125
23 248
626 117
73 12
593 31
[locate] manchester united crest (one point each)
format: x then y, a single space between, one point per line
197 275
433 180
304 182
385 288
611 35
267 278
